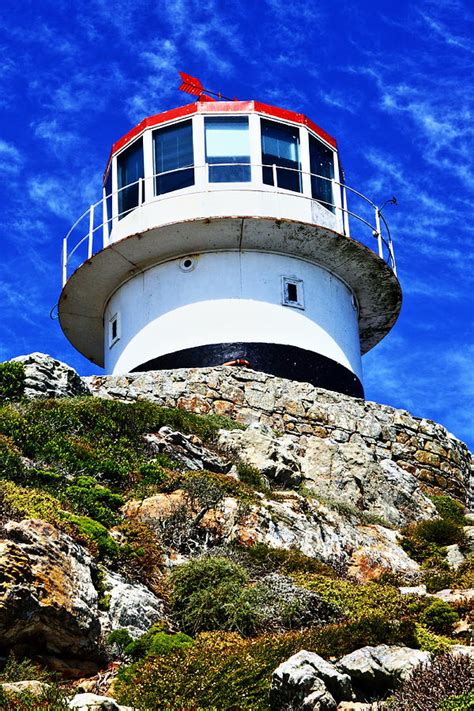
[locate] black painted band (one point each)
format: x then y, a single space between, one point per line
272 358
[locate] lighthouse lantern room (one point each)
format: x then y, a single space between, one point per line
226 232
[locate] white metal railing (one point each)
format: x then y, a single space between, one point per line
98 220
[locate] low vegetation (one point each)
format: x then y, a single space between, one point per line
234 612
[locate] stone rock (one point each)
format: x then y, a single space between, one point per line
414 590
187 450
307 681
379 668
276 458
339 471
258 398
131 606
292 522
358 706
453 596
454 557
462 649
47 377
469 533
93 702
48 601
33 687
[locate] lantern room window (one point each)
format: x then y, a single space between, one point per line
129 170
173 148
321 164
228 149
280 147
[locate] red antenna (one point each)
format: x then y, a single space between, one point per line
192 85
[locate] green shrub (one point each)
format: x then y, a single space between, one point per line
12 380
439 617
252 477
95 532
465 702
156 641
85 496
360 601
118 640
430 642
204 592
450 509
224 671
259 559
21 669
11 466
426 539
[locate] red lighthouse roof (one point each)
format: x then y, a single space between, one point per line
220 107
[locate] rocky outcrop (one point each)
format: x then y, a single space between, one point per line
333 471
48 377
307 681
47 592
379 668
48 597
186 450
130 607
289 522
418 446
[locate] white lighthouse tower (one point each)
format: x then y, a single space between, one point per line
226 231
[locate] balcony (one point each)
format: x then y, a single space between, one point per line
267 191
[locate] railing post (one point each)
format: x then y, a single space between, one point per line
91 232
275 176
392 254
379 234
105 220
64 261
140 192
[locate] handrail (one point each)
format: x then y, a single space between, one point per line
377 230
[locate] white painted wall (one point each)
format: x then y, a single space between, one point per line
231 297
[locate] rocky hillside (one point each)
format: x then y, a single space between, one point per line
223 539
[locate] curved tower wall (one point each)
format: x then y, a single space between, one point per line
208 308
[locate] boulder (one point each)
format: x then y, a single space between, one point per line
187 450
33 687
131 606
307 681
454 596
47 377
48 602
379 668
93 702
275 457
454 557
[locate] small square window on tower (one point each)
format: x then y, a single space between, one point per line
114 330
292 292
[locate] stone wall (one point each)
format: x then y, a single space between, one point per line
440 462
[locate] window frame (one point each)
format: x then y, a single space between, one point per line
113 339
194 136
122 190
299 284
269 166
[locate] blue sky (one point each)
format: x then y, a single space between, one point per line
391 81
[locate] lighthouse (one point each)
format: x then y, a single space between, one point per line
226 232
